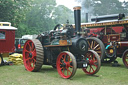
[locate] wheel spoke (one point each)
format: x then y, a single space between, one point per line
70 66
95 46
29 45
34 53
33 46
34 59
99 48
98 52
27 59
69 70
26 51
91 44
64 57
95 65
62 69
68 58
92 68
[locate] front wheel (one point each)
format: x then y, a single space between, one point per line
66 64
94 62
125 58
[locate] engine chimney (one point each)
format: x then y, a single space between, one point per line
77 17
86 17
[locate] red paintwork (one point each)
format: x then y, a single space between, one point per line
68 68
117 29
111 35
92 66
95 30
29 62
7 44
123 43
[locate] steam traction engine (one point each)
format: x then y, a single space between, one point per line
64 49
112 30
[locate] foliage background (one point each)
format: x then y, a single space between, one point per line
37 16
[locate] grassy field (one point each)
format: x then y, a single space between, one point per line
108 75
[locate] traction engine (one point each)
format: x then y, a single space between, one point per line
112 30
66 50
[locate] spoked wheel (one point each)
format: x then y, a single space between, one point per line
125 58
1 59
110 53
94 62
66 65
33 55
96 45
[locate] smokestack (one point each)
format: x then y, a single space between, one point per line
86 17
77 17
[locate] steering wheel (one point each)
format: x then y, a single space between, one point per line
58 26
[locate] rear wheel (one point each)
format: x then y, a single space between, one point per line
125 58
94 62
96 45
33 55
1 59
66 65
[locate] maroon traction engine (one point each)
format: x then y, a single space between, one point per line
65 50
112 30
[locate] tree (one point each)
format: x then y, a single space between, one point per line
102 7
39 18
14 11
61 14
33 16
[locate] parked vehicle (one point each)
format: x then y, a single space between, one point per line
7 38
19 44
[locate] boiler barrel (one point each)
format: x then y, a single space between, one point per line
108 17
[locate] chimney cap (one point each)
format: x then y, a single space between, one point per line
77 7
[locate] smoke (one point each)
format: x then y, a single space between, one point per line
86 8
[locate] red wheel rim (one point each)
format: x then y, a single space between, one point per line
29 55
92 64
65 65
125 59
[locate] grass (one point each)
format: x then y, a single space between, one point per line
108 75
